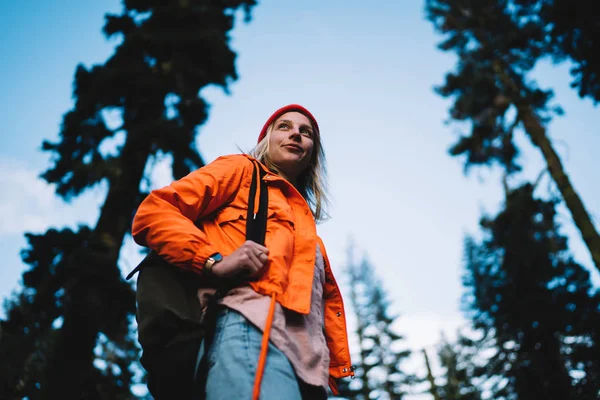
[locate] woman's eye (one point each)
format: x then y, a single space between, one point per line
284 125
306 132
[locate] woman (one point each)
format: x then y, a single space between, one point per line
283 334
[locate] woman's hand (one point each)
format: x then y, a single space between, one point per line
248 260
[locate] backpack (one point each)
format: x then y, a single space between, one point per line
171 322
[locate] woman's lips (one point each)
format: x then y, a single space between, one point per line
294 147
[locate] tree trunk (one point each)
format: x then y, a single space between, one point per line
121 201
433 389
537 134
582 218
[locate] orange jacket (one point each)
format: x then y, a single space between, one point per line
204 213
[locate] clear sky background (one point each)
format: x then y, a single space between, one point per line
366 69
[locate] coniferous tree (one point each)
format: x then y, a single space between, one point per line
379 372
459 370
67 334
571 28
533 304
498 43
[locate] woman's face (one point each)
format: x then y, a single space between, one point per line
291 144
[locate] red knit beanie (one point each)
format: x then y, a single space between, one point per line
286 109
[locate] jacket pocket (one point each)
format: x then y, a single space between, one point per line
231 224
230 214
281 216
281 241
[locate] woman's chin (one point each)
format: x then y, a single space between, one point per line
289 160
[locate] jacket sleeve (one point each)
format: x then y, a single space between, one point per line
165 220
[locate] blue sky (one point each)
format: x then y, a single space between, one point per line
366 70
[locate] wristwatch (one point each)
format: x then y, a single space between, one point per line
211 261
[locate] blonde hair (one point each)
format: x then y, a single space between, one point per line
311 183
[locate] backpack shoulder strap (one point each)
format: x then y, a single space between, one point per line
256 224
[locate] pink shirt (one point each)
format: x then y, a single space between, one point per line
300 337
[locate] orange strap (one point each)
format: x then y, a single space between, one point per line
333 386
262 359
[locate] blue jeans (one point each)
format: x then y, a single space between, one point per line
233 358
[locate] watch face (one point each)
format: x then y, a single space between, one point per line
217 257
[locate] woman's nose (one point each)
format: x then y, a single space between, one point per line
295 132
